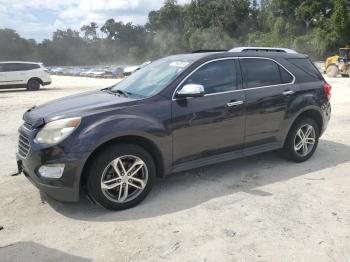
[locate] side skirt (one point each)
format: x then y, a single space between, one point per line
226 157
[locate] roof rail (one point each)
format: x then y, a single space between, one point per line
208 50
263 49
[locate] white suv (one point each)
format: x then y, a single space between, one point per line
23 74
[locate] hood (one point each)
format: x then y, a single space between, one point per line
75 105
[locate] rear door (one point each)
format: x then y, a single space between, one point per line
269 87
214 123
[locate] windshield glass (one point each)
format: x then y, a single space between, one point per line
153 78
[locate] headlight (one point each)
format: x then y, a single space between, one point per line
55 131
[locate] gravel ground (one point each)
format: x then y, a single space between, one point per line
261 208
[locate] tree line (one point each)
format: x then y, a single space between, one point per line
317 28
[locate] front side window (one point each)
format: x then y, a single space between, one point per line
216 77
263 72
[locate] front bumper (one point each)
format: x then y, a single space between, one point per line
60 193
66 188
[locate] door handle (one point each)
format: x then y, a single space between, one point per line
288 93
235 103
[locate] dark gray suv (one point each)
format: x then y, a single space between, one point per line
178 113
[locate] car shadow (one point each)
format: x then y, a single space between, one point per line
192 188
31 251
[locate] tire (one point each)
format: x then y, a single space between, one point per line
33 85
102 171
294 140
332 71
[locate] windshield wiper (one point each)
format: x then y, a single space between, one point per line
120 92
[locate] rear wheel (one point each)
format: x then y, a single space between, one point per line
332 71
33 85
302 140
121 176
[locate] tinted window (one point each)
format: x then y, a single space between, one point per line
263 72
307 66
217 76
285 76
29 66
9 67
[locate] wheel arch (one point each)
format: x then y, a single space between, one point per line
145 143
36 78
312 113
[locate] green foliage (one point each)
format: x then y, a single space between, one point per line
341 20
317 28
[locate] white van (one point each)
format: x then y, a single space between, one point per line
23 74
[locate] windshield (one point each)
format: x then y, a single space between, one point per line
153 78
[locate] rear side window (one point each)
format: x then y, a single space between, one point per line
263 72
307 66
30 66
216 77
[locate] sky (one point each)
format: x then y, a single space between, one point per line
37 19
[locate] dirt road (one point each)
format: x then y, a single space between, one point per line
261 208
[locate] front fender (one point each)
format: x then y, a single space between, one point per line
111 127
96 130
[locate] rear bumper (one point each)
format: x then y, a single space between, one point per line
47 83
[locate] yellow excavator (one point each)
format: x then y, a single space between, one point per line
339 64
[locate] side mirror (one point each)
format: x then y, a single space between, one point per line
190 90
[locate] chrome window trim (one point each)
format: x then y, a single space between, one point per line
237 90
266 58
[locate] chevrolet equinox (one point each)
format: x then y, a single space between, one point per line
177 113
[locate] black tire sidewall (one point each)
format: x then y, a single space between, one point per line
33 85
289 147
100 162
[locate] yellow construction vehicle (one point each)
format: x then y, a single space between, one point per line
339 64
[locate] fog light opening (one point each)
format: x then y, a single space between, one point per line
51 170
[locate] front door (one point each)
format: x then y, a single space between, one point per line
214 123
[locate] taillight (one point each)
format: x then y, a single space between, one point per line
327 88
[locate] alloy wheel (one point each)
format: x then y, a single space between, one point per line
124 178
305 140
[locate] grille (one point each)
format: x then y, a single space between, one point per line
23 144
28 126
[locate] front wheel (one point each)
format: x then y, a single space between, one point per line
121 176
302 140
